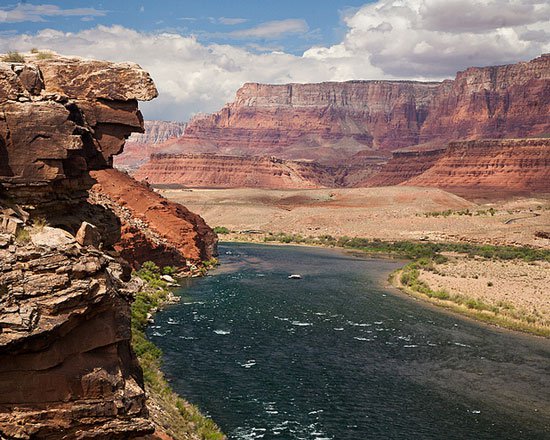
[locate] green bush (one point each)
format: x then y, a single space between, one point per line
221 230
13 57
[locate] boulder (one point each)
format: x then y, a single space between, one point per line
88 235
51 238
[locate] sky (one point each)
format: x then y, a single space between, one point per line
200 52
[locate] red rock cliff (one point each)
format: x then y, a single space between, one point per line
328 122
66 365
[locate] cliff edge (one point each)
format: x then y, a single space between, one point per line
67 369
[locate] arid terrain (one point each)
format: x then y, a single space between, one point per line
386 213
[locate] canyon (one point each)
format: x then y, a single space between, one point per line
140 146
330 126
66 221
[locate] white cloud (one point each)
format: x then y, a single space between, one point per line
434 38
36 13
388 39
231 21
273 29
191 77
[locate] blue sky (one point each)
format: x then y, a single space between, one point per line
200 52
295 25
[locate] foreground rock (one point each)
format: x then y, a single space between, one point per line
67 369
66 365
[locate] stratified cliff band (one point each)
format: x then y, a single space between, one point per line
335 124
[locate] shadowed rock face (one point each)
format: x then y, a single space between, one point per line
66 365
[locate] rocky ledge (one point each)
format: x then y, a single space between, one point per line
66 366
67 369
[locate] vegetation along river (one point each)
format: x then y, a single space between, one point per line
339 355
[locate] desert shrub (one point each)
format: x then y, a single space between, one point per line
13 57
22 236
169 270
221 230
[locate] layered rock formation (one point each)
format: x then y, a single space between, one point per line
504 165
66 366
214 171
140 146
330 123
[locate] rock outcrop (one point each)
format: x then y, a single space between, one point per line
214 171
152 228
140 146
66 366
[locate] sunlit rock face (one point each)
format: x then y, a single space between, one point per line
329 122
66 365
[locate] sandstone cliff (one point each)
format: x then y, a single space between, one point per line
214 171
66 365
140 146
332 123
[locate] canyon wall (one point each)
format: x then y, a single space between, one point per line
215 171
333 123
66 365
324 122
140 146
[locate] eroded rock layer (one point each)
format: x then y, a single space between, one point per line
504 165
214 171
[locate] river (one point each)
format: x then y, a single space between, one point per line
340 355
